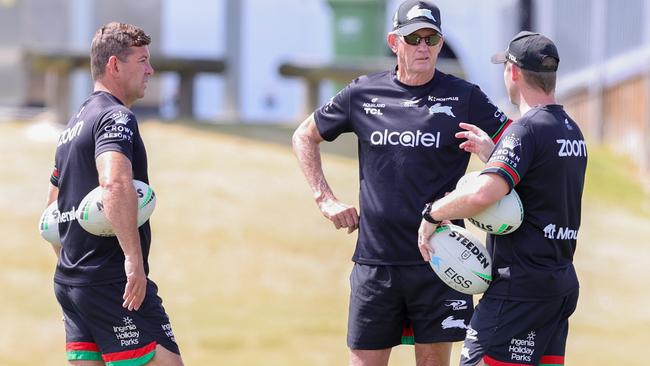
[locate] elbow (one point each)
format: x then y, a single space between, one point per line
306 135
489 191
483 199
116 184
297 137
302 139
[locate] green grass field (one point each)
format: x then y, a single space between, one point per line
251 274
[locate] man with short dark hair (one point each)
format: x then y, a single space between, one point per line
112 312
522 319
405 120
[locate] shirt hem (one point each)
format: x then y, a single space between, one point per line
63 281
379 262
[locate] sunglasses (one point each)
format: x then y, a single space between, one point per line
414 40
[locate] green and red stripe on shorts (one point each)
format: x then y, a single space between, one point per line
88 351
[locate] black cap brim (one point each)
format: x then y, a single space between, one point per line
499 58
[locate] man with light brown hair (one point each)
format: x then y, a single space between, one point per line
112 312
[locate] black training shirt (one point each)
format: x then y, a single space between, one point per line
101 124
408 154
544 157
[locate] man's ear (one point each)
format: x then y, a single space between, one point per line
515 72
113 66
391 39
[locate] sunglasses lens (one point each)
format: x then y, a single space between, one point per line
432 40
412 39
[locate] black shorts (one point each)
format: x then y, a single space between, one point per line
98 328
383 299
508 333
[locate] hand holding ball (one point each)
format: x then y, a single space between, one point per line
460 259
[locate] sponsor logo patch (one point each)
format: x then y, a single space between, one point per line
456 304
374 107
568 125
570 148
405 138
70 133
406 103
118 130
64 216
551 231
128 334
120 118
439 108
471 334
431 98
450 322
417 11
522 349
507 151
167 328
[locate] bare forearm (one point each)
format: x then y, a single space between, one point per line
121 207
307 150
306 142
310 162
53 195
470 199
457 205
120 201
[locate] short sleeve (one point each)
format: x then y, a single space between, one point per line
333 118
512 155
486 115
54 177
115 132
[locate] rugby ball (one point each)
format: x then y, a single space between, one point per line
91 215
503 217
48 225
460 260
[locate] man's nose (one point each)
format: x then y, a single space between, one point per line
423 45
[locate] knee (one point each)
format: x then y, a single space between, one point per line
432 360
432 354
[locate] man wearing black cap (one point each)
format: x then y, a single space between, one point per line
405 120
522 319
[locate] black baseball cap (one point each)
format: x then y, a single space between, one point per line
412 15
527 50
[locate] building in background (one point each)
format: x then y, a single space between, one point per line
604 78
259 36
69 25
254 36
604 73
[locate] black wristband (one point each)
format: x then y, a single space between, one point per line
426 214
